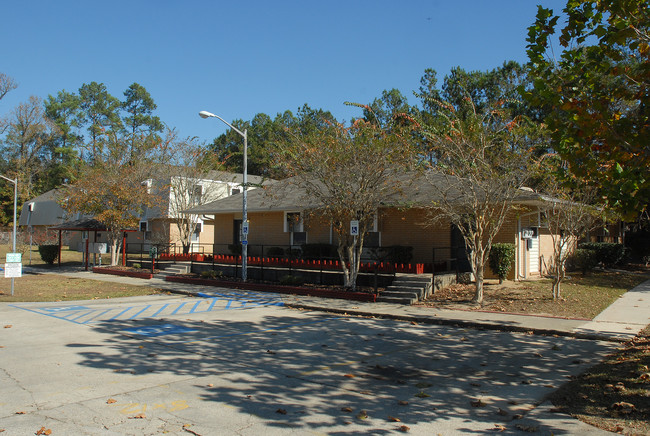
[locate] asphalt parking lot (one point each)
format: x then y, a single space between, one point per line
235 362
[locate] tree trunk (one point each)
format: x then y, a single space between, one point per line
114 256
559 276
478 296
186 247
479 272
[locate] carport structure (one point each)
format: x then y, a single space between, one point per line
88 225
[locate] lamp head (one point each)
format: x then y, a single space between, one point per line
206 114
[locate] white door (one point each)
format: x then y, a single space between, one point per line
533 254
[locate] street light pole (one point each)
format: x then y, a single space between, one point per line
15 182
244 248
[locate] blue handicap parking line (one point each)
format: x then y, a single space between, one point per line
64 308
79 314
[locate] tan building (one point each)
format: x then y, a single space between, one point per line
283 216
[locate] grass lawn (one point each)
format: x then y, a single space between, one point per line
68 257
582 297
50 287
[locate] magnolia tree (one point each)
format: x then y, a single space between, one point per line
346 171
481 161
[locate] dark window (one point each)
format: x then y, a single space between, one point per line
299 238
293 222
236 232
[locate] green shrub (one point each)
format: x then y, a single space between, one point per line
293 253
607 253
583 260
292 280
275 251
318 251
211 274
502 256
392 254
235 249
136 266
49 253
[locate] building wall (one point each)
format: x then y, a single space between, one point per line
409 228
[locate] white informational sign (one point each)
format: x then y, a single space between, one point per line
14 257
13 270
354 228
244 228
98 247
527 233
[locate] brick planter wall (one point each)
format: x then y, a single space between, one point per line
117 272
282 289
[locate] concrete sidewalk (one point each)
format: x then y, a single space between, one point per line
621 321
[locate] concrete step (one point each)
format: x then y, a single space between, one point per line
413 279
396 300
177 269
400 293
419 292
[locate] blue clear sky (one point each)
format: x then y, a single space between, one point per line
237 59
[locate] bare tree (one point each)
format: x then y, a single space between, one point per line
573 212
28 134
6 84
190 182
481 161
346 172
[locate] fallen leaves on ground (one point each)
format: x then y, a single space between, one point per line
404 428
394 419
8 326
346 409
362 415
111 401
623 407
186 427
138 416
403 403
422 395
499 427
44 431
478 403
281 411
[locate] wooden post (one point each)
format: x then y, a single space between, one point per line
59 248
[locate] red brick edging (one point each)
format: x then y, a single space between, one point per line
283 289
117 272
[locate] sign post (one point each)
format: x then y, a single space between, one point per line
354 231
153 251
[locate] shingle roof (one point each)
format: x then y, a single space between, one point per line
414 189
47 211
